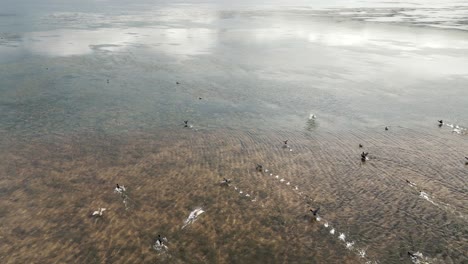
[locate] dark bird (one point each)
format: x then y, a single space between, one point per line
286 142
386 128
441 122
315 212
159 239
226 181
199 98
259 167
186 123
364 156
177 82
360 145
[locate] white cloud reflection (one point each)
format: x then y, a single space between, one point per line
69 42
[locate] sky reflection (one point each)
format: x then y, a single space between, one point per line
70 42
186 31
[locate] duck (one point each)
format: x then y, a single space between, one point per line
364 156
259 167
315 212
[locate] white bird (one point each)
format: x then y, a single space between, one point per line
98 212
312 116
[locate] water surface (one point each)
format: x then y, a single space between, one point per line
95 93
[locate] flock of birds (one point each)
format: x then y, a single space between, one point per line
160 243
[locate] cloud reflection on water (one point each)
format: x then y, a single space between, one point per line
69 42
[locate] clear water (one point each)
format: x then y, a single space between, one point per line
94 93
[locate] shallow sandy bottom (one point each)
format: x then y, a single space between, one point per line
50 186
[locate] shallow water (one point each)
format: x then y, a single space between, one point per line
90 99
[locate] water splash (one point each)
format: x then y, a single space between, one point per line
457 129
419 258
160 245
342 236
362 253
426 197
122 191
99 212
193 217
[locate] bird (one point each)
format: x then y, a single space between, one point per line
186 123
386 128
364 156
360 145
441 122
225 181
119 188
160 240
259 167
177 82
98 212
199 98
315 212
312 116
286 141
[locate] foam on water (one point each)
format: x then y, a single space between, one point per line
457 129
193 217
342 236
419 258
160 246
